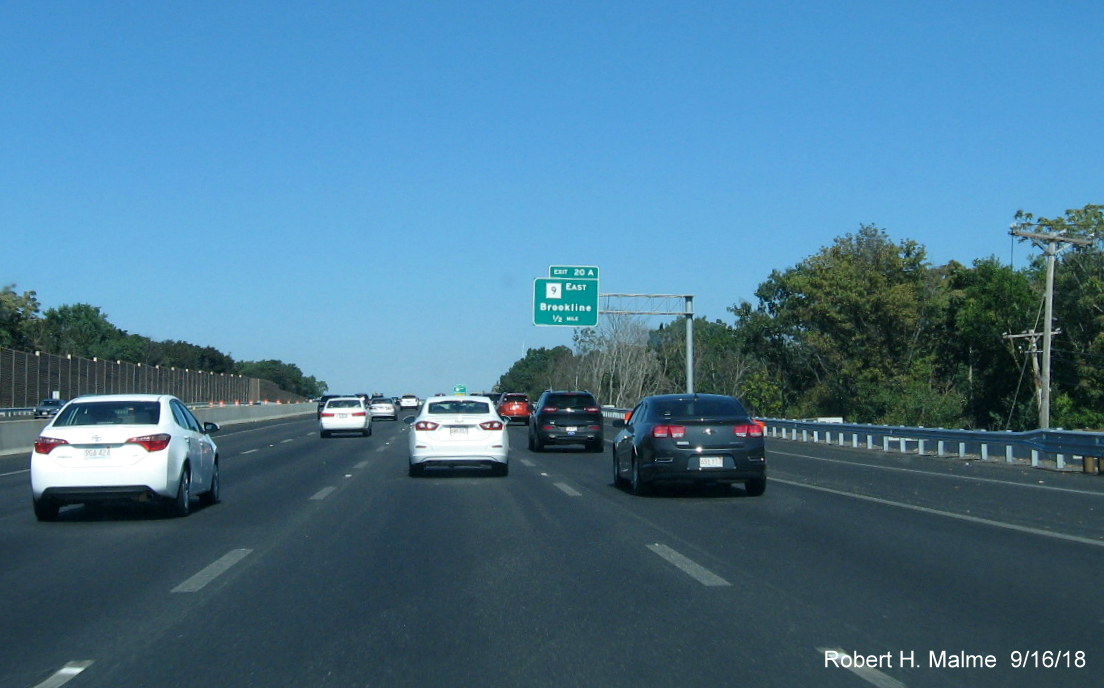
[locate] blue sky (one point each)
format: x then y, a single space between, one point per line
368 189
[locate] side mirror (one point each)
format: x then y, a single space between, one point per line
409 420
210 427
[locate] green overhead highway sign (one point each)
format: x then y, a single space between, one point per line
565 301
573 271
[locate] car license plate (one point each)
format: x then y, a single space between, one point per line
98 453
571 428
459 430
711 462
343 415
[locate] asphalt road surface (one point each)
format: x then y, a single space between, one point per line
326 565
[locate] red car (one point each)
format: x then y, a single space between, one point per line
514 407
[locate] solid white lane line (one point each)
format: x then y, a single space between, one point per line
198 581
568 490
949 476
25 470
868 674
948 514
688 566
65 674
323 493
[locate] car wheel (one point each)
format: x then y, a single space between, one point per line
501 469
755 486
324 434
415 470
638 484
46 509
211 496
535 443
182 504
595 446
618 481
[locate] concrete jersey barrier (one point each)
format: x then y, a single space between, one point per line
18 436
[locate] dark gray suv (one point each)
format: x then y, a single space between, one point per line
562 417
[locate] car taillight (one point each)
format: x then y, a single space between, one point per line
491 425
592 409
45 445
672 431
359 413
551 409
749 430
426 425
152 442
328 415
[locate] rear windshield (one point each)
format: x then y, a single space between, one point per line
721 407
572 401
464 406
344 403
110 413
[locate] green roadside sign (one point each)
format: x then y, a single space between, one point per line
573 271
569 302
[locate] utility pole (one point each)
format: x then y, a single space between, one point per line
1051 245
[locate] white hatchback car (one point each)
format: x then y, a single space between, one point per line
144 447
458 431
344 414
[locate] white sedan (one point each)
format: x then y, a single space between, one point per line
110 447
344 414
458 431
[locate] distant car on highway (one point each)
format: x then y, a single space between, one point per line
409 402
689 438
383 407
323 399
344 414
458 431
514 407
47 408
566 417
124 446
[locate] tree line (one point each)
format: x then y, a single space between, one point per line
868 329
84 330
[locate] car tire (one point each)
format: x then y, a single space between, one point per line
638 484
595 447
501 469
46 509
535 444
755 486
324 434
416 471
211 496
618 481
181 505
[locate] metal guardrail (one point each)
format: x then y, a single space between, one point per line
1039 448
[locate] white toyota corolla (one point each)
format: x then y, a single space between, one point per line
458 431
144 447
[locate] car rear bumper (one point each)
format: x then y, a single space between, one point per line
686 468
570 437
83 495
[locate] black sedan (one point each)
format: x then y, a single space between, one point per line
689 438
